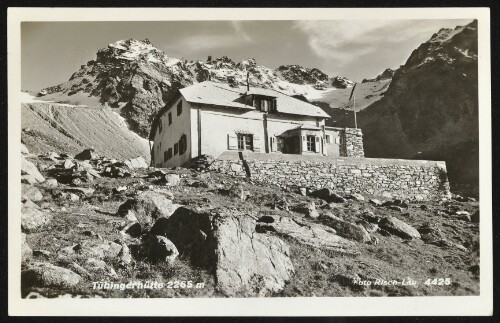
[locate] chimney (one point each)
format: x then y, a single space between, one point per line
248 84
209 58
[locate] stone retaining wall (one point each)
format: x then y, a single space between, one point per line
353 143
369 176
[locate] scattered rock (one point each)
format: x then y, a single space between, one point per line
303 191
369 227
328 195
347 230
68 163
92 248
87 154
356 196
79 269
88 191
99 266
33 219
26 251
375 202
280 202
172 179
47 275
475 217
399 203
159 249
50 183
315 235
132 229
463 215
399 228
370 216
125 255
136 163
28 179
30 192
395 208
29 204
148 206
41 253
28 168
308 209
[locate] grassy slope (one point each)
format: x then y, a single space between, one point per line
318 272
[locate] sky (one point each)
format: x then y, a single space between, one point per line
52 51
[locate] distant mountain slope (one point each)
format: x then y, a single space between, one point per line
430 109
365 94
70 129
138 79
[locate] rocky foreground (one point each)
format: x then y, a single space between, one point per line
88 221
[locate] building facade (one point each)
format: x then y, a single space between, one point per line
210 118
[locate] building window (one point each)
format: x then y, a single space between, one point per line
169 153
160 126
182 145
179 108
169 118
165 155
311 143
328 139
245 142
176 148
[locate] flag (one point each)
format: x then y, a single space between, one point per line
352 92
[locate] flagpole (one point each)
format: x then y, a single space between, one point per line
354 109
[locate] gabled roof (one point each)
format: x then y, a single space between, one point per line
222 94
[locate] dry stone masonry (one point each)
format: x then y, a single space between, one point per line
417 179
353 139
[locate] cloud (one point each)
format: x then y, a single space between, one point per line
346 41
235 36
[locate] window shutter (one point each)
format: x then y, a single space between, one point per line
256 143
337 140
324 148
317 145
304 143
232 141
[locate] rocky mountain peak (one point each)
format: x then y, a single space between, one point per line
387 74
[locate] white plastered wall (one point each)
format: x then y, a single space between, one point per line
171 134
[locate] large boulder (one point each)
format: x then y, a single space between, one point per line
311 234
33 219
346 229
399 228
135 163
47 275
30 192
308 209
245 262
28 168
148 206
328 195
87 154
98 249
159 249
